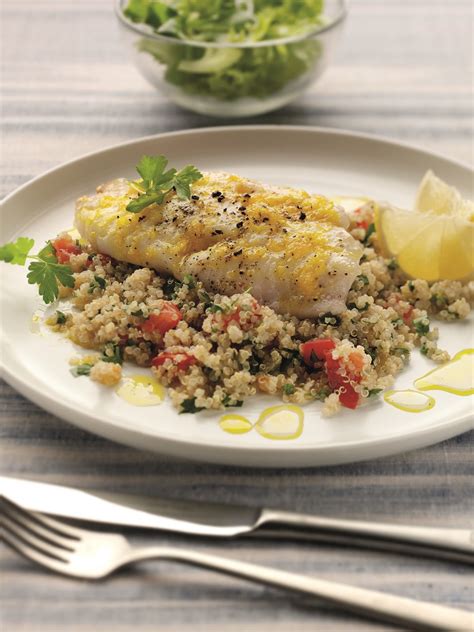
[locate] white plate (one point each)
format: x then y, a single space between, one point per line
327 161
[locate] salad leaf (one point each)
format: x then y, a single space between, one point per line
231 73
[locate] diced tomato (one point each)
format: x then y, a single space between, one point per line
182 360
363 224
169 316
322 348
234 317
349 396
319 348
64 247
123 339
231 318
408 315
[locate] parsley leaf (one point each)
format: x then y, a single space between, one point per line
289 388
112 353
60 317
82 369
374 391
16 252
422 325
44 271
189 406
47 276
156 182
184 179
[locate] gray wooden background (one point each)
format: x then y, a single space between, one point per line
404 70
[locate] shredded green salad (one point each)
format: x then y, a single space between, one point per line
230 73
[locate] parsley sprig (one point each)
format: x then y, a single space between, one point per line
156 182
44 270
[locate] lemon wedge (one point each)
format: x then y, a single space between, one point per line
436 240
436 196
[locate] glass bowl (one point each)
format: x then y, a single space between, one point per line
233 79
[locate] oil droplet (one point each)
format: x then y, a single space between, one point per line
235 424
410 401
281 422
456 376
141 390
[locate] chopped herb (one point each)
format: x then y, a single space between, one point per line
374 391
171 287
370 231
214 308
60 317
424 349
190 281
81 369
397 322
422 325
138 312
156 182
289 388
227 401
372 352
392 265
411 286
254 365
439 300
322 394
362 278
112 353
359 309
205 298
189 406
98 282
329 319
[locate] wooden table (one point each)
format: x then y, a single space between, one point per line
403 70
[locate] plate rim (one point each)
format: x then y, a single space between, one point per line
298 455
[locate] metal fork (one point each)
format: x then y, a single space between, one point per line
89 554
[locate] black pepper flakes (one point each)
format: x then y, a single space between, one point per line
302 216
239 224
216 194
194 197
237 252
221 198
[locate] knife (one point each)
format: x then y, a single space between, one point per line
228 521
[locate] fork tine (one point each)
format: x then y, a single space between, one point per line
28 545
26 521
58 527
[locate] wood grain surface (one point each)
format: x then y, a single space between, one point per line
404 69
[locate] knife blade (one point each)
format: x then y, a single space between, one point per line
149 512
226 521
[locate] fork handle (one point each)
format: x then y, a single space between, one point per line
415 615
453 544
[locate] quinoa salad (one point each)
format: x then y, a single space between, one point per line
213 351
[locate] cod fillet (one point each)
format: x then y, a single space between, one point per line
289 248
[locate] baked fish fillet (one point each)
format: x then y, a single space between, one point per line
289 248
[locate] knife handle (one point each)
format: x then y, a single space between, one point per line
452 544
